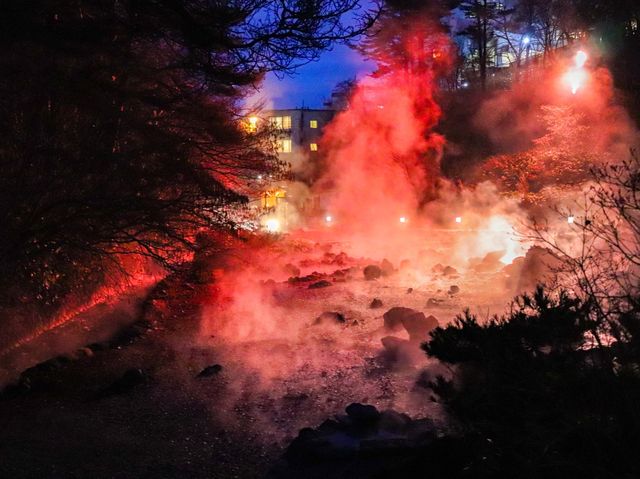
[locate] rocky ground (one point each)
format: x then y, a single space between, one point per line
222 365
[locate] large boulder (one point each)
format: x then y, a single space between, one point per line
394 317
372 272
363 415
418 326
414 322
386 267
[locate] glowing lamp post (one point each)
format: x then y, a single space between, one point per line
328 219
403 219
272 225
576 77
458 219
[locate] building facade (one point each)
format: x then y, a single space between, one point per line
298 134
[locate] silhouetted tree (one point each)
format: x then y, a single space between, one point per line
120 125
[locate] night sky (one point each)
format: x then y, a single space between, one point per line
313 83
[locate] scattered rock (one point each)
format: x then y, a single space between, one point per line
449 271
437 269
330 317
372 272
320 284
393 317
409 290
315 276
210 371
414 322
376 303
454 290
386 267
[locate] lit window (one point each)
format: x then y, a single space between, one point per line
284 146
313 146
276 122
313 124
280 122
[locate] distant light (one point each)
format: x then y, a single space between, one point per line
403 219
328 218
381 106
465 84
458 219
253 120
580 59
259 177
571 220
272 225
526 40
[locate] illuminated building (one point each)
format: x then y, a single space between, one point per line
298 132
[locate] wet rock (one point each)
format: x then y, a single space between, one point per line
320 284
449 271
376 303
330 317
453 290
386 267
363 415
372 272
210 371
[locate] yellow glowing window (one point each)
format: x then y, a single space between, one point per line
284 146
280 122
313 124
313 147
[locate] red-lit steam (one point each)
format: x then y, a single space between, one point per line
383 159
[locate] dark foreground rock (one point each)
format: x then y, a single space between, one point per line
320 284
359 445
